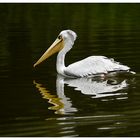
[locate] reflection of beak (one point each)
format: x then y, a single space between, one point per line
55 47
58 105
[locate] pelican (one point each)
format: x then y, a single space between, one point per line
88 67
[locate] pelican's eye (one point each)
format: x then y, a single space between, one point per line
59 37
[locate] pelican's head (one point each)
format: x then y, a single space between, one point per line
65 40
68 36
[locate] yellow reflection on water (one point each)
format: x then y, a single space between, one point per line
58 105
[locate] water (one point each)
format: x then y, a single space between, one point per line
38 102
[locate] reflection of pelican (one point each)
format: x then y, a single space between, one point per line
61 104
55 101
93 65
97 88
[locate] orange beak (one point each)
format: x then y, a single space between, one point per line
54 48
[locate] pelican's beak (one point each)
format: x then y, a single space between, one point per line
55 47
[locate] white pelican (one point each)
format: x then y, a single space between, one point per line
88 67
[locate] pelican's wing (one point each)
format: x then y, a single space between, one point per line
94 65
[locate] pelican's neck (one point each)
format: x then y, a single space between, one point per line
60 64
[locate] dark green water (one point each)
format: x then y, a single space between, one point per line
37 102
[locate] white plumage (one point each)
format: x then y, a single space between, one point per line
94 65
88 67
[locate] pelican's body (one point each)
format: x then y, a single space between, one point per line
90 66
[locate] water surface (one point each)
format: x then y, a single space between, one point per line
38 102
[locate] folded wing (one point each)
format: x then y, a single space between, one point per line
94 65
